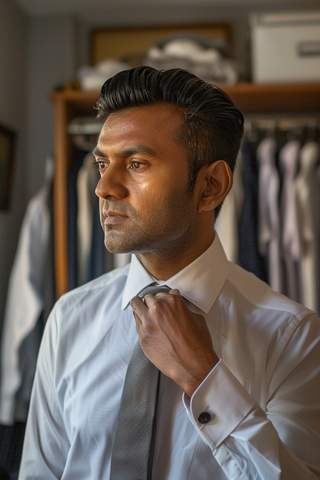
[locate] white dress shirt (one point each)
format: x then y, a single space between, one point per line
263 395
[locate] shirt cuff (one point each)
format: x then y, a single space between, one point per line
223 402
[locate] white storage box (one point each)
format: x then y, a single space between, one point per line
286 47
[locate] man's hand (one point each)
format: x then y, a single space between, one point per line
176 340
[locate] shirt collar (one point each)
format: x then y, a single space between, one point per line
200 282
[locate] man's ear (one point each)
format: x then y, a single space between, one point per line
215 182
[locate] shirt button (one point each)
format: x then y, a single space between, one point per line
204 417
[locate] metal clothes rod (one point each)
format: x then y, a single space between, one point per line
92 126
281 121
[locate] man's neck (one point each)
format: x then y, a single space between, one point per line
163 265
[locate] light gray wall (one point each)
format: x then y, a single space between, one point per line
39 53
13 29
51 57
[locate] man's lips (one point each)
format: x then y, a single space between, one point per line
113 218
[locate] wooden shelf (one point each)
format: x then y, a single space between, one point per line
77 102
248 97
275 98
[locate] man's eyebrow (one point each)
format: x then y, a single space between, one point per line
127 152
97 153
137 149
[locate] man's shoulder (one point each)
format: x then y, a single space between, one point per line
111 284
261 295
83 318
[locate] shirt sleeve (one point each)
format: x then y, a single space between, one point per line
279 440
46 444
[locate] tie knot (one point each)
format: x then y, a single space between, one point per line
154 288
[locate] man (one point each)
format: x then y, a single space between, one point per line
239 389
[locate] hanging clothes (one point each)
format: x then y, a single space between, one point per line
87 255
317 227
87 180
306 190
96 264
268 219
11 443
279 225
25 300
290 235
121 259
249 255
227 222
73 218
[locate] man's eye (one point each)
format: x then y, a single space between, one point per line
136 165
101 166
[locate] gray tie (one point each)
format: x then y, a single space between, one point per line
133 446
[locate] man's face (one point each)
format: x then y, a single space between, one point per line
144 202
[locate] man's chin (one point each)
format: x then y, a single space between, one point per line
117 250
116 247
118 243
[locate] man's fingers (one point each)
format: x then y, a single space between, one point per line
140 306
175 291
137 306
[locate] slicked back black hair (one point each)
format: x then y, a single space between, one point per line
211 126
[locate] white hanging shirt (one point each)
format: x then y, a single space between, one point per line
305 186
227 223
290 235
269 218
25 298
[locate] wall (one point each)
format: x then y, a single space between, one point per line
39 54
50 62
13 28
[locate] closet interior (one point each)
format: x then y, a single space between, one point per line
266 107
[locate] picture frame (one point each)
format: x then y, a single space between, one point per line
132 43
7 150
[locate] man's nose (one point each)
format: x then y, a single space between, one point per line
111 184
